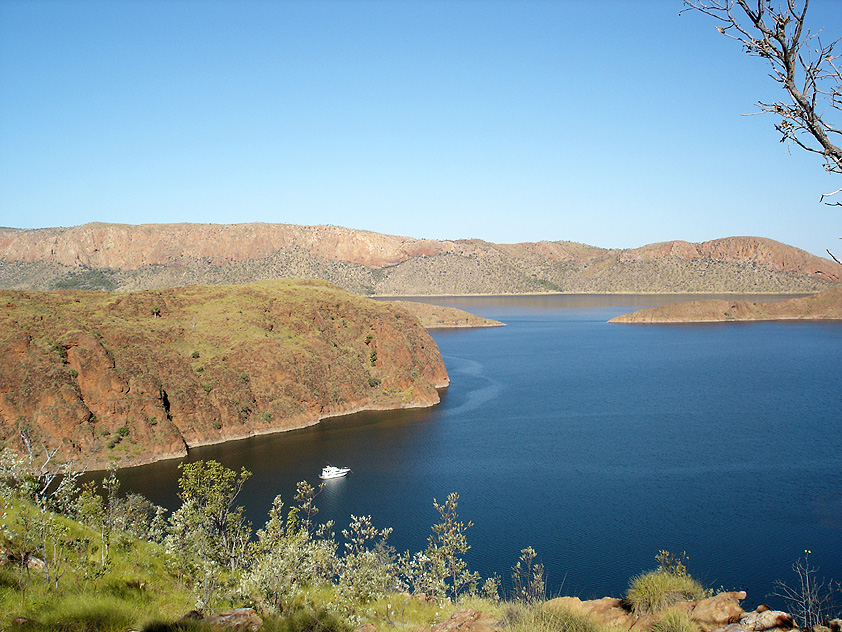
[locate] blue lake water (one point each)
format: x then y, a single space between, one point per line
596 444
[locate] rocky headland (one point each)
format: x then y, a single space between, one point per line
825 305
136 377
440 317
155 256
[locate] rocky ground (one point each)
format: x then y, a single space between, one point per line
720 613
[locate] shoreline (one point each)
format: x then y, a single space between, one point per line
391 297
293 425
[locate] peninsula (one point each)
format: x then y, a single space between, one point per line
825 305
140 376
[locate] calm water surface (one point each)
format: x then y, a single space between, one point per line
596 444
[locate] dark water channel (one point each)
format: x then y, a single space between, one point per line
596 444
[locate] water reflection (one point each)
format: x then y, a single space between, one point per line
279 461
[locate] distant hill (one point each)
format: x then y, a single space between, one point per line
156 256
135 377
825 305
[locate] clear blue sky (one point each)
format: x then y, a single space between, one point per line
613 123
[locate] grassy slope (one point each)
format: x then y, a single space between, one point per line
132 590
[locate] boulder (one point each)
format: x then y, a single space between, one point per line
191 615
21 622
236 620
468 620
718 611
767 620
733 627
607 610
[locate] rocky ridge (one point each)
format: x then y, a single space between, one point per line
135 377
154 256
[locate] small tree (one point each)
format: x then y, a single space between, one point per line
447 572
38 485
528 584
207 533
368 566
286 558
212 490
803 64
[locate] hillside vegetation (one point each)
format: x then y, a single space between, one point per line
154 256
88 559
139 376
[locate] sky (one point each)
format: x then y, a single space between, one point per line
614 123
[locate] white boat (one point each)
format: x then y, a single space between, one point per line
329 471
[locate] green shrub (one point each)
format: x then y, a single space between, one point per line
656 590
265 416
60 351
674 620
208 387
549 619
306 621
185 625
195 354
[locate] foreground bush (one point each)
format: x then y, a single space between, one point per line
657 590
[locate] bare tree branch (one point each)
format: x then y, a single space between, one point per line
804 66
